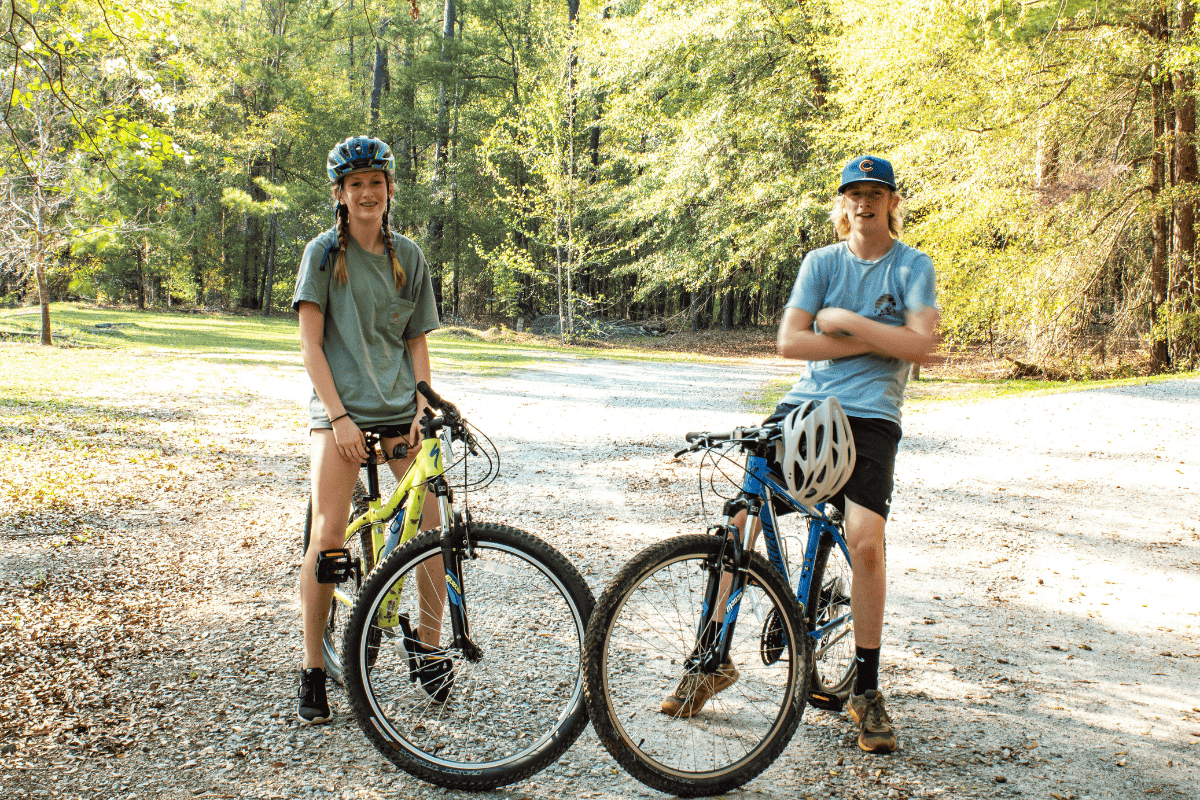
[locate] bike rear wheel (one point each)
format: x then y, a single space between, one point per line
828 607
643 630
339 608
510 713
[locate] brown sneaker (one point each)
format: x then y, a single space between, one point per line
875 734
696 688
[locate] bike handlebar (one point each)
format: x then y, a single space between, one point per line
702 439
435 400
692 436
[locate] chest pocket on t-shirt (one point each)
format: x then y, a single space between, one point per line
398 312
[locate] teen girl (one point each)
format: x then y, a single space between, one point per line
365 301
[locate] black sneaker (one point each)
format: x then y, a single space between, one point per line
314 708
428 667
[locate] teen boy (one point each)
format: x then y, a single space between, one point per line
860 313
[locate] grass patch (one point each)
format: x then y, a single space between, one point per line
86 434
229 338
82 325
932 392
926 393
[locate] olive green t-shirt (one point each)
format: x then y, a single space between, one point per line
367 325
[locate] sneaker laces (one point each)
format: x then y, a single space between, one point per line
875 716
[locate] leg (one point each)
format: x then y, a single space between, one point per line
332 485
865 539
694 690
739 522
431 576
332 479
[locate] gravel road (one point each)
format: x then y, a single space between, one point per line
1042 638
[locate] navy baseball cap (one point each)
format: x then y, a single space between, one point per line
868 168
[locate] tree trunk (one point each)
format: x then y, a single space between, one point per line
440 152
1046 166
251 248
566 210
1159 352
139 258
380 76
272 236
1183 283
197 271
407 170
39 263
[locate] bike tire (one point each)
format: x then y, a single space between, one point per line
834 663
644 628
510 713
339 613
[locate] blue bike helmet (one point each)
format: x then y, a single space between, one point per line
356 154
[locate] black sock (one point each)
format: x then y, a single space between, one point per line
867 676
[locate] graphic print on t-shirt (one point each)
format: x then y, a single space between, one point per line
885 306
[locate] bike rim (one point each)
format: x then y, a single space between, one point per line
382 719
768 732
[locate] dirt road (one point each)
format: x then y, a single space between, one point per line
1042 638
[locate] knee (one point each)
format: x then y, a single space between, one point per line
867 555
866 549
327 532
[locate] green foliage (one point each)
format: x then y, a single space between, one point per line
655 157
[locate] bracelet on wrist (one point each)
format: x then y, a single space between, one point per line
335 419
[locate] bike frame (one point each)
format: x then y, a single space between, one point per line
427 472
759 488
760 482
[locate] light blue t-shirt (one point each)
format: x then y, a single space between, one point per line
866 385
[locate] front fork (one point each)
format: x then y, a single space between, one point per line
456 543
725 588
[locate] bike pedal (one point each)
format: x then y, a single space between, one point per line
828 702
336 566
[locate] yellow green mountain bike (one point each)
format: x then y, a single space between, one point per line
462 651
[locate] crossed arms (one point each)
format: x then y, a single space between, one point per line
844 333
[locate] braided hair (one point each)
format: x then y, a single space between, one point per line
397 270
343 240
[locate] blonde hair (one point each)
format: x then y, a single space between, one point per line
343 235
837 215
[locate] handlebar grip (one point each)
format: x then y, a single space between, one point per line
709 435
433 397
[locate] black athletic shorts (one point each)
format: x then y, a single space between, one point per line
875 444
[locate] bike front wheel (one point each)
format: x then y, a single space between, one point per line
642 633
830 625
501 717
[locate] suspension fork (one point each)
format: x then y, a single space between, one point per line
455 542
724 589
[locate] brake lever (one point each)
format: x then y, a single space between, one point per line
699 444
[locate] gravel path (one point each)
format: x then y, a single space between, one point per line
1042 639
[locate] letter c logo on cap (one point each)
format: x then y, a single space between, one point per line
866 166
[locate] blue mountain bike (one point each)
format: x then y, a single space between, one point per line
674 622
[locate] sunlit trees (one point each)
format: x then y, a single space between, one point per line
643 158
78 93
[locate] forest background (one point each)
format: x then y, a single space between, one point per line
667 160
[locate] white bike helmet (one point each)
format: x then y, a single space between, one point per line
816 452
